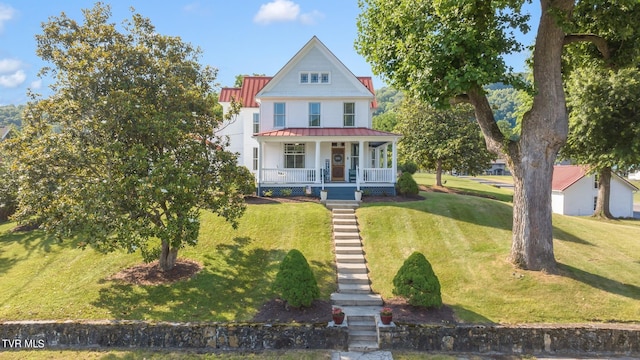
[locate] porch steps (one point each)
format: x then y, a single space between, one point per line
354 294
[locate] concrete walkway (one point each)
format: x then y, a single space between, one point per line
354 295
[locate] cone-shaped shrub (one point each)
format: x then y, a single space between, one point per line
295 281
407 185
417 282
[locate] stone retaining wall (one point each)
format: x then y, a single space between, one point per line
577 339
600 339
211 336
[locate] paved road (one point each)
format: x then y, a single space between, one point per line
636 210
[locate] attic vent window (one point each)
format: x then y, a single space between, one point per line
310 77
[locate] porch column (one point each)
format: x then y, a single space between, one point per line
318 165
260 161
394 161
385 153
361 160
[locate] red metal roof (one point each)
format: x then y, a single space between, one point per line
326 132
251 85
566 175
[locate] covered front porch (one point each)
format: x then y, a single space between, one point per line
306 160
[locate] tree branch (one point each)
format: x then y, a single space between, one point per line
598 41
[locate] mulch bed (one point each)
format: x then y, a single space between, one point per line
151 274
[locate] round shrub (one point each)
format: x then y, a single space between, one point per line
417 282
409 167
295 281
407 185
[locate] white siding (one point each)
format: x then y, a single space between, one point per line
239 132
331 112
578 199
621 201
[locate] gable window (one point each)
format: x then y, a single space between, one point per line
310 77
256 123
294 156
314 114
279 115
349 114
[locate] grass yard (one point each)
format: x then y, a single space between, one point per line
42 279
467 240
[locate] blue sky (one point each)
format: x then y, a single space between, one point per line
237 37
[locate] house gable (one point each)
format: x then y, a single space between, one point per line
315 57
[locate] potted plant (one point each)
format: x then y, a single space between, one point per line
358 195
338 315
386 315
323 195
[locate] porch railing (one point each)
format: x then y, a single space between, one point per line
288 175
381 175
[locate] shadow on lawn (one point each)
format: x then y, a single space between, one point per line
233 284
600 282
32 241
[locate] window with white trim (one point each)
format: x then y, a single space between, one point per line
256 123
349 114
294 155
255 158
314 114
279 115
315 77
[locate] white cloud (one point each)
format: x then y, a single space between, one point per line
6 13
9 65
284 10
13 80
37 84
277 10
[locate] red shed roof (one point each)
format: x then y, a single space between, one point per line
566 175
326 132
251 85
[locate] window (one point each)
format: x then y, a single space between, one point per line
595 203
355 155
314 114
315 78
349 114
256 123
595 182
294 156
279 116
255 158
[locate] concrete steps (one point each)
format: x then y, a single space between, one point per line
354 290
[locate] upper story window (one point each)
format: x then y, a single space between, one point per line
279 115
314 114
256 123
311 77
349 114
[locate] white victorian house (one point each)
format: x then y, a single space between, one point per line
309 128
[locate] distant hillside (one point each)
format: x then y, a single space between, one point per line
11 115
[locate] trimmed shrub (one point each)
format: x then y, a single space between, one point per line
407 185
417 282
295 281
409 167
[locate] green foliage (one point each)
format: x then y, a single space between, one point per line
286 192
246 181
134 161
406 185
295 281
388 99
417 282
408 167
8 188
386 121
445 139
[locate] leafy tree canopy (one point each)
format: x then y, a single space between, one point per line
11 115
133 163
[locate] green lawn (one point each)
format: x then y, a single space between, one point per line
42 279
466 238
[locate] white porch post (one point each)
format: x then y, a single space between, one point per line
362 160
318 165
385 152
260 161
394 159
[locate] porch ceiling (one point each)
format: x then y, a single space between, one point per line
330 132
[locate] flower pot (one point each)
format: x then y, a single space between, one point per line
386 319
358 195
338 319
323 195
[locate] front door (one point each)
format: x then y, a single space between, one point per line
337 164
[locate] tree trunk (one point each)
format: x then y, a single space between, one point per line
604 194
439 173
168 256
531 159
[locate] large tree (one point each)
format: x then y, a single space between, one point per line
132 161
441 140
604 125
444 51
